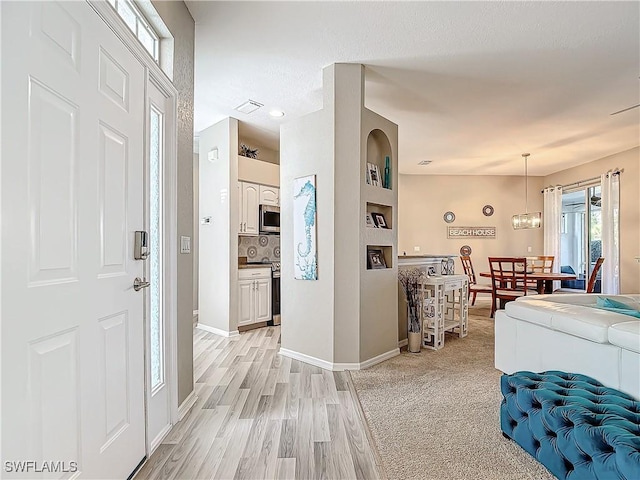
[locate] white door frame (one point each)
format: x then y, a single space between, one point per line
155 74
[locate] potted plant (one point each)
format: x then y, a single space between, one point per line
411 280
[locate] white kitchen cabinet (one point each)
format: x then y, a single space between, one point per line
254 295
249 208
269 195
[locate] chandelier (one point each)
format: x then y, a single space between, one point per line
526 219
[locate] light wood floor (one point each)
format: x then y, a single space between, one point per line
263 416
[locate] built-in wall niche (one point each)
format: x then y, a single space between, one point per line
379 257
379 216
379 161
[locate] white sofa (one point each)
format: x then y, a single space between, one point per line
563 332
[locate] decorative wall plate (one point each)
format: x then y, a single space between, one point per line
465 250
449 217
487 210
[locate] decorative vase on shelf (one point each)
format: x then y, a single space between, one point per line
387 173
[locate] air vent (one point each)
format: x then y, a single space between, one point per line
248 107
425 162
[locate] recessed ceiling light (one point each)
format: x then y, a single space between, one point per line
425 162
276 113
249 106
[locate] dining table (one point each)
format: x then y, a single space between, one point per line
544 280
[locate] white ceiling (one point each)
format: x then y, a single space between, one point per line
471 85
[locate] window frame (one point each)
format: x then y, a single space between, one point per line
141 22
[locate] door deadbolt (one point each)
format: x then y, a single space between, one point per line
141 245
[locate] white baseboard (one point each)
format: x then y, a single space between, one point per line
187 404
217 331
403 343
380 358
338 367
306 358
155 443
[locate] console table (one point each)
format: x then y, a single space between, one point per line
445 308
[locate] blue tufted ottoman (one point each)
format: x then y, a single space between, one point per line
572 424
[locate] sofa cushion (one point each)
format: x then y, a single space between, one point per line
626 335
567 313
613 305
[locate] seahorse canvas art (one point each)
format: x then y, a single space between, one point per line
304 228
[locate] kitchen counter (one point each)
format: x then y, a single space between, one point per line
254 265
409 257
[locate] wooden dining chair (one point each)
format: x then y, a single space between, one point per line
474 287
591 284
508 280
540 264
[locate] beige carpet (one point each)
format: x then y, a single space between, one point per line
435 415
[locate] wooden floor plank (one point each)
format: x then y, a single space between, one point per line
303 446
320 421
287 438
279 404
286 469
233 452
340 379
323 467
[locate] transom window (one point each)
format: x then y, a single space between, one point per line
136 22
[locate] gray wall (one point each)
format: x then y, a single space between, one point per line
218 240
306 148
181 25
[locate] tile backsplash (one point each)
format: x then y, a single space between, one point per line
265 248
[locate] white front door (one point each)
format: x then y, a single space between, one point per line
72 197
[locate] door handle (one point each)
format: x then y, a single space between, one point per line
139 284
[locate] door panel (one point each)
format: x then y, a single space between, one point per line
263 300
268 195
114 376
245 301
52 188
53 373
112 200
72 330
250 198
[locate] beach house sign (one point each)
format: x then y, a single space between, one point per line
471 232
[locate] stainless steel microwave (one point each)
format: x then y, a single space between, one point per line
269 219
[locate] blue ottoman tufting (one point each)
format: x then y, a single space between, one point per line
572 424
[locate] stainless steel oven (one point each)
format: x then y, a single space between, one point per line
275 293
269 219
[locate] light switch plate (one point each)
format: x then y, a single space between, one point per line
416 248
185 244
